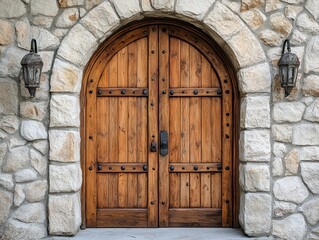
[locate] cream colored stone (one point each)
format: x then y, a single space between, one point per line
64 214
310 210
271 38
33 130
75 51
31 213
11 9
306 134
307 24
282 209
25 175
255 79
196 9
64 146
288 111
18 158
9 124
64 111
6 199
45 39
310 175
42 21
146 6
7 32
254 18
282 133
164 5
18 230
232 5
66 178
312 112
292 161
255 177
292 11
273 5
60 33
34 110
280 24
249 4
67 18
39 162
47 8
70 3
92 3
36 191
290 189
277 167
293 1
23 30
126 9
311 85
312 55
47 58
101 20
293 227
298 38
65 77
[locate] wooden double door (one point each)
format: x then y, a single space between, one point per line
158 135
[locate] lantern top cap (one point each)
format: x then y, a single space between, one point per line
32 58
288 58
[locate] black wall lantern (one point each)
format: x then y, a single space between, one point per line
288 68
31 67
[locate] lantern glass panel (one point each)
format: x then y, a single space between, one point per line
291 76
37 75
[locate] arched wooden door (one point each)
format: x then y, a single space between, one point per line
158 131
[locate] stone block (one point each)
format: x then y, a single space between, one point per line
292 161
146 6
42 21
255 213
197 10
307 24
164 5
10 62
64 111
65 77
19 195
290 189
126 9
64 214
293 227
66 178
34 110
18 158
47 8
7 32
68 18
64 146
255 146
9 124
42 146
36 191
25 175
310 210
255 79
6 181
6 199
45 39
47 58
311 60
313 7
282 133
39 162
255 177
273 5
309 154
310 175
250 4
277 167
280 24
282 209
311 85
8 97
254 18
305 134
12 9
78 46
255 112
70 3
298 38
31 213
312 111
288 111
271 38
3 152
92 3
33 130
23 31
291 11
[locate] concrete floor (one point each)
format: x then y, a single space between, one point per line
156 234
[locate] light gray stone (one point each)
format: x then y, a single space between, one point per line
25 175
255 146
70 3
292 161
23 30
39 162
146 5
165 5
18 158
308 100
280 24
249 4
273 5
311 85
310 175
288 111
64 214
255 112
60 33
312 237
47 8
290 189
45 39
33 130
30 213
282 209
67 18
309 154
42 146
223 21
307 24
8 97
65 77
298 38
126 9
255 79
196 9
42 21
316 230
34 110
282 133
312 55
312 112
255 213
3 152
64 146
293 227
10 62
47 58
6 181
7 32
306 134
310 210
291 11
64 111
19 195
42 92
9 124
255 177
313 7
11 9
271 38
82 12
67 178
6 199
78 52
18 230
16 141
36 191
293 1
92 3
277 167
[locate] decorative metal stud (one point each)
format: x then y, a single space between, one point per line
227 167
164 92
171 92
195 92
123 91
219 91
195 168
99 168
171 168
145 168
145 91
122 168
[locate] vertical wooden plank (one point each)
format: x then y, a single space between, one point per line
113 190
216 190
174 187
102 130
103 191
153 126
164 122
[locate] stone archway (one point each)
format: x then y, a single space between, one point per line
253 74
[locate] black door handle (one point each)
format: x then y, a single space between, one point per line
163 143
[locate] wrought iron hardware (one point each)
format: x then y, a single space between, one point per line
171 168
99 168
145 168
164 143
122 168
195 168
153 146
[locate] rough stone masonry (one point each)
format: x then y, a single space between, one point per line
40 179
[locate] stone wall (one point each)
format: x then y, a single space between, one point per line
279 139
